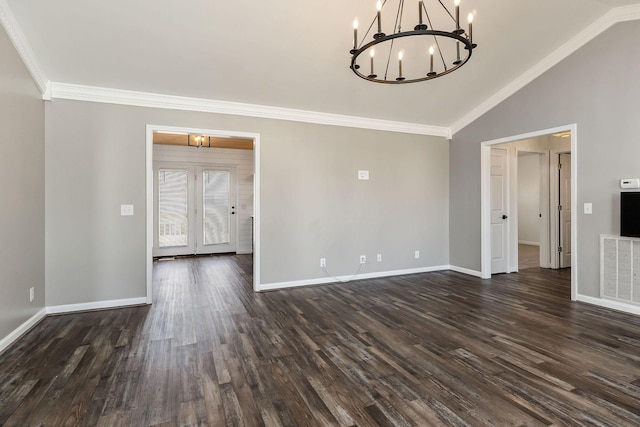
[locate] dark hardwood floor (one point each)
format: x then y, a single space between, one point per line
427 349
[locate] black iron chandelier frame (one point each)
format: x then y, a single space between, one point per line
461 36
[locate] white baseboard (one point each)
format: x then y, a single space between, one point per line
326 280
465 271
606 303
526 242
97 305
22 329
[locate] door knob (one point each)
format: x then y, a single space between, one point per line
504 217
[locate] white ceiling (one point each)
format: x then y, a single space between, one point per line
286 53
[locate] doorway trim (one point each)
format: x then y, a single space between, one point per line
150 129
485 205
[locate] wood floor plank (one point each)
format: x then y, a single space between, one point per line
433 349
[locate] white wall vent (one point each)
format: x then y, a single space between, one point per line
620 268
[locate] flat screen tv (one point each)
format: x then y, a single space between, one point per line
630 213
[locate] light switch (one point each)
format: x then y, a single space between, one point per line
126 210
363 175
588 208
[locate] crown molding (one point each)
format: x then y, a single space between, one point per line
155 100
614 16
17 37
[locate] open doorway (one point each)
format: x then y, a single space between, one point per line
202 194
531 196
500 210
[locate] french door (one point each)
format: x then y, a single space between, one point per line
194 210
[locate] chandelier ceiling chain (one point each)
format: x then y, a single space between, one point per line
417 50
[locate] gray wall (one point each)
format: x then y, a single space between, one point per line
312 204
597 88
21 191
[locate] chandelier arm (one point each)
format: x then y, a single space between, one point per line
398 23
366 34
444 63
386 70
445 8
428 17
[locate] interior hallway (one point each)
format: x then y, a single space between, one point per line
528 256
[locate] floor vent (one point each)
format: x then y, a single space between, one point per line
620 268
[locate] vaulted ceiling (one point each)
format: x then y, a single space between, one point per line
289 53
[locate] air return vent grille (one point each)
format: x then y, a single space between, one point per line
620 269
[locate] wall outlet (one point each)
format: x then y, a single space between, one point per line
32 294
363 259
323 262
417 254
379 257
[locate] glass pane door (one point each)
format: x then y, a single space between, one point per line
194 210
216 208
173 208
217 211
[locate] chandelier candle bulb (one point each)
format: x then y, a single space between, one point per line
457 5
379 8
355 34
400 65
470 19
420 12
431 60
372 53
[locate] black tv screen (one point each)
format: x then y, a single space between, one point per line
630 213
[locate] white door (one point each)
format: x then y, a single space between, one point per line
216 211
194 210
564 209
499 211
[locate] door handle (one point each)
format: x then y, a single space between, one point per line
504 217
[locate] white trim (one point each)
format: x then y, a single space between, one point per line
150 129
465 271
257 171
19 41
22 329
96 305
614 305
614 16
485 217
326 280
155 100
149 209
485 211
526 242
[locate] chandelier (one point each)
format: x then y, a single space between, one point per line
198 141
427 52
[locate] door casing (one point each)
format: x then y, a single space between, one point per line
485 205
150 130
